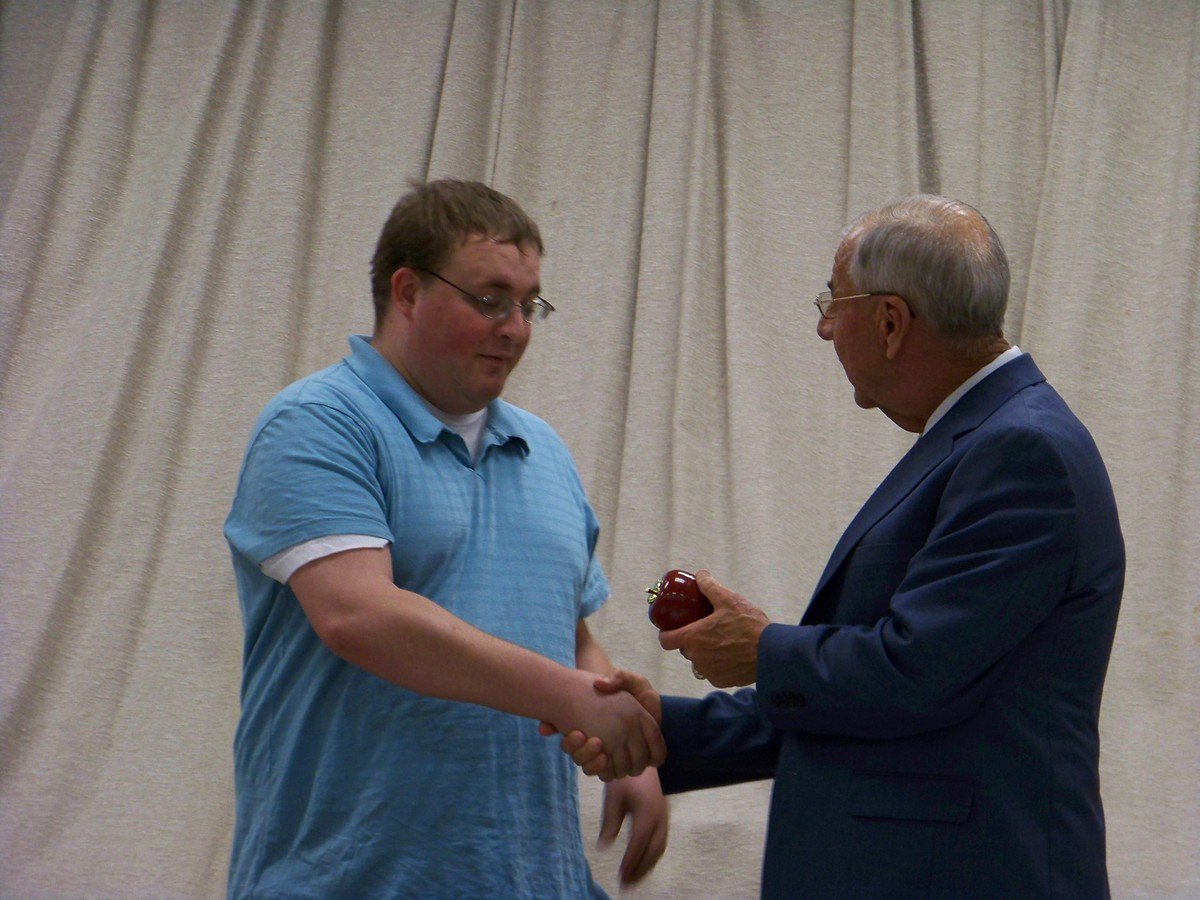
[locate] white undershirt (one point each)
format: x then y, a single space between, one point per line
944 407
283 565
468 426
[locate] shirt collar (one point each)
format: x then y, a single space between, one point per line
381 377
957 394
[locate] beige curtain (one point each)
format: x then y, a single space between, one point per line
190 194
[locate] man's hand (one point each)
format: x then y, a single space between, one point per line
589 752
618 723
723 647
640 800
637 686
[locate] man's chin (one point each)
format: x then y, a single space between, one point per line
864 402
487 393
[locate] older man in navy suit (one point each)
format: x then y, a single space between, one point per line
932 723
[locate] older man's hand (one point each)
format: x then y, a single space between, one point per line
722 647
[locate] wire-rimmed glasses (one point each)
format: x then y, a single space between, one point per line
825 300
500 306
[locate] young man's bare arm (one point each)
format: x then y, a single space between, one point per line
363 617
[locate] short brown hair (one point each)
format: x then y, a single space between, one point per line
428 222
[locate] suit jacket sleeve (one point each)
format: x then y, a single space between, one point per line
717 740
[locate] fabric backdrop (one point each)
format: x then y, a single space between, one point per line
191 192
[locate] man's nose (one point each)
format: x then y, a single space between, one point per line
513 326
825 329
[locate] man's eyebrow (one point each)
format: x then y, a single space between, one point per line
504 286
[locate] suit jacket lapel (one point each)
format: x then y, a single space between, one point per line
930 449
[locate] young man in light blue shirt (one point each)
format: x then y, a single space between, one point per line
415 559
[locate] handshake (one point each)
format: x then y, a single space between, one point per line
631 742
614 727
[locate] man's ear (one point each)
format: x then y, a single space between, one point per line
895 321
405 284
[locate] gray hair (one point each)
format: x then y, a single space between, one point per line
941 256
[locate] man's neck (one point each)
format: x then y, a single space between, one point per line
970 378
941 370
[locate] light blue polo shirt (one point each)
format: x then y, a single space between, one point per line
348 786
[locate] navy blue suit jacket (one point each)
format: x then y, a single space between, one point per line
932 722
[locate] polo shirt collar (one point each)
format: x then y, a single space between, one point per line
505 425
381 377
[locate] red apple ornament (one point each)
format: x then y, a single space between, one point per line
676 601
